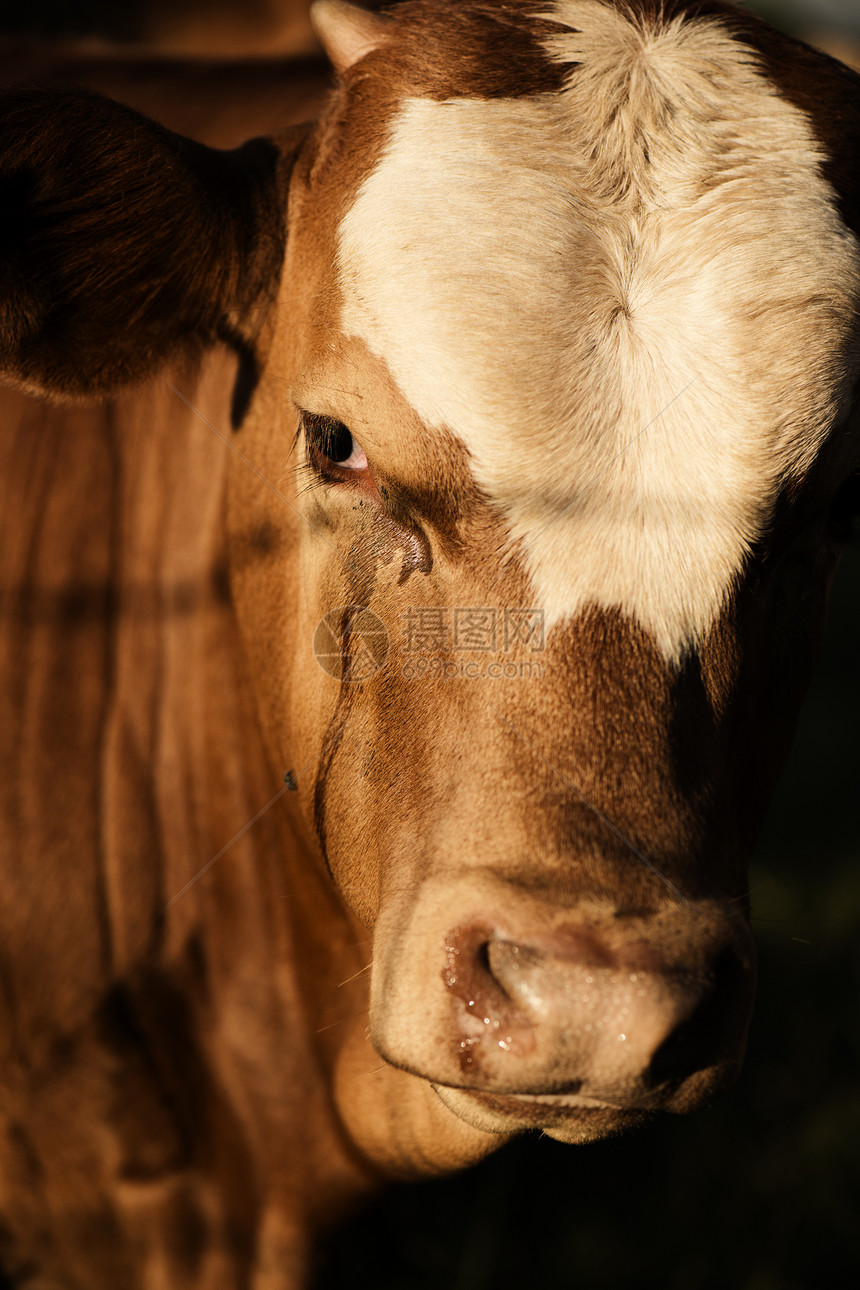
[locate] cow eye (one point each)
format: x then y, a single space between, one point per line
331 446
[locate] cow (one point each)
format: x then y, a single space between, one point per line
416 544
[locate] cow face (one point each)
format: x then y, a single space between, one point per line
564 356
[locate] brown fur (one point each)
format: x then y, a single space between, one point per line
189 1091
485 50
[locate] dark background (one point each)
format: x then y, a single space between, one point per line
761 1191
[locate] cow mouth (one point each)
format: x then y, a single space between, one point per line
567 1117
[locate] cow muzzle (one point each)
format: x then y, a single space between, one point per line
576 1021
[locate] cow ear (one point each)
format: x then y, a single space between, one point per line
121 241
347 32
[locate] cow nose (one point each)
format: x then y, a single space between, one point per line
609 1021
567 1013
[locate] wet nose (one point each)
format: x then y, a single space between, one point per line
569 1012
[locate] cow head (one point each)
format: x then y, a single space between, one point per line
564 350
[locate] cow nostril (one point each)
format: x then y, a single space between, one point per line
711 1029
470 970
518 971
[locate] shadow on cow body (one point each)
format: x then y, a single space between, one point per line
487 718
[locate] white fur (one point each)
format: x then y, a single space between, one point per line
631 300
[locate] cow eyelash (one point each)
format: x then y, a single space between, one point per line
334 455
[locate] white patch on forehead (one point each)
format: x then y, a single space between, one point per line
632 301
